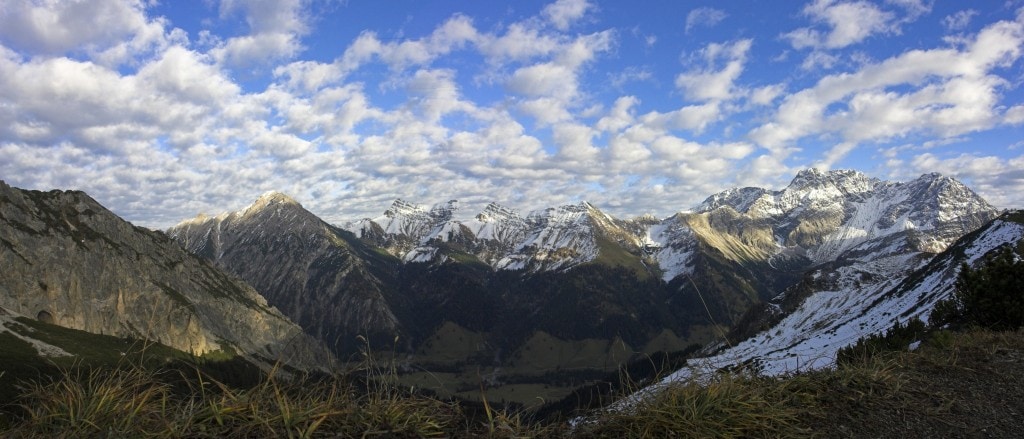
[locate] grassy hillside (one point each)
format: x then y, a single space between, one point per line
954 385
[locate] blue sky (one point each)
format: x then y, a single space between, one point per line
162 110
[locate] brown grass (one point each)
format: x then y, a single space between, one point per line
959 385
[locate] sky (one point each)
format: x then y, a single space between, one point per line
162 110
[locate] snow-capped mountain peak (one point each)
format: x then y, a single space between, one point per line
414 221
500 224
495 212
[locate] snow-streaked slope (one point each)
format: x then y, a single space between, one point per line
10 325
499 231
810 336
822 217
555 238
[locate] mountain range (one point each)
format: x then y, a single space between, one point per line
576 274
554 295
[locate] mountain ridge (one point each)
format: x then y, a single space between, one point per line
739 248
813 327
70 261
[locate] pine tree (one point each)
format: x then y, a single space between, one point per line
990 296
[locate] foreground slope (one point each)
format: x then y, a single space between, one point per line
953 385
69 261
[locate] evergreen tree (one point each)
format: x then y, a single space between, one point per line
990 296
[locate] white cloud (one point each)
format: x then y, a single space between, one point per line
767 94
139 109
819 60
183 74
455 33
691 117
56 28
563 13
308 76
546 79
620 116
545 110
552 87
942 92
959 20
1014 115
707 17
626 152
249 51
108 32
629 74
848 22
575 142
435 94
914 9
711 83
276 27
520 42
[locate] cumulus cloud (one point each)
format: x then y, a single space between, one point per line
707 17
108 32
944 92
849 23
1014 115
766 95
959 20
711 82
629 74
620 116
57 28
846 23
551 88
154 122
275 27
563 13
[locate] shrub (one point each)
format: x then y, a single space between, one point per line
897 338
991 296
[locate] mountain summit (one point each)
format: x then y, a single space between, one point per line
317 274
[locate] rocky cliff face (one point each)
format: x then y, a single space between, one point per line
318 275
70 261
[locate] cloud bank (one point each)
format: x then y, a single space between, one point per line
160 123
